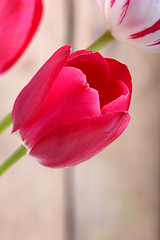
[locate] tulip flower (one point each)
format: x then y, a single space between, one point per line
75 106
19 20
136 22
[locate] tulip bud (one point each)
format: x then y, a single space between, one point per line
75 106
19 20
136 22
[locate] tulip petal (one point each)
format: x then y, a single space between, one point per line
101 4
71 144
34 94
79 53
115 12
119 71
119 98
119 89
19 20
135 22
70 99
94 66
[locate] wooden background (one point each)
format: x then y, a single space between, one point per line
113 196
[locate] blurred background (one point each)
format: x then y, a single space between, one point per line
116 194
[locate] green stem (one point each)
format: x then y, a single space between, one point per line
5 122
101 42
19 153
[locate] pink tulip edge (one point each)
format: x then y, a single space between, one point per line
74 107
77 142
18 23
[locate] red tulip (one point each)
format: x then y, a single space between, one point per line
19 20
73 107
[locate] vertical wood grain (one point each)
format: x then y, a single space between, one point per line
113 196
69 184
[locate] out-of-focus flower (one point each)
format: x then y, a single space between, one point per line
134 21
74 107
19 20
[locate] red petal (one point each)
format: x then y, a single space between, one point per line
19 20
34 94
118 96
71 144
70 99
120 72
110 77
95 67
79 53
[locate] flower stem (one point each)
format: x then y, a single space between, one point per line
101 42
5 122
19 153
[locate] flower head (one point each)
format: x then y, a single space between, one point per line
136 22
75 106
19 20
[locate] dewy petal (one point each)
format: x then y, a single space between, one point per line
34 94
95 67
69 100
19 20
71 144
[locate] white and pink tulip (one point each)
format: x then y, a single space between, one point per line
134 21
